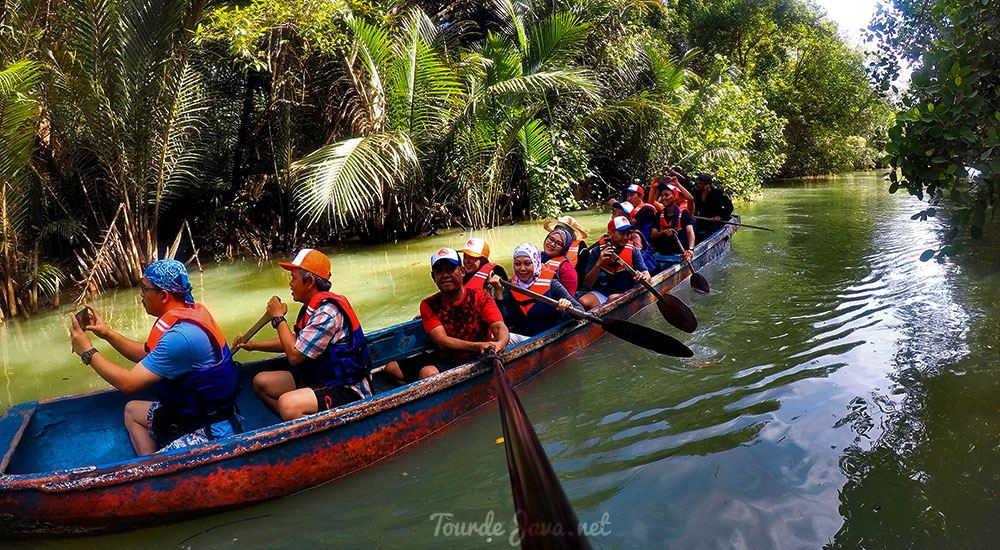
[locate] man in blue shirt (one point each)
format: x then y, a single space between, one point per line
607 278
185 356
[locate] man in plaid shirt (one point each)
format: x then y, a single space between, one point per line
328 345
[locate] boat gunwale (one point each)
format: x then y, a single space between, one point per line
166 463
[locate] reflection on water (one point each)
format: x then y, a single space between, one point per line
842 394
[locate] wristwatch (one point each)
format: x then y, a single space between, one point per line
277 321
88 355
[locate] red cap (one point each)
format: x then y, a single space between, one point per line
635 188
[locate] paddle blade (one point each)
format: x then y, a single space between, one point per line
699 283
677 313
646 337
545 518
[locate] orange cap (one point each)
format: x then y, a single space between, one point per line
477 248
311 260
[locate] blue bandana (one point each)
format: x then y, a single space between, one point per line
170 275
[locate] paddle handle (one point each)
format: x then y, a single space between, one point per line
733 223
546 300
264 319
680 246
644 282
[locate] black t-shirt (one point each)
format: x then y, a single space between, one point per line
666 244
715 204
645 218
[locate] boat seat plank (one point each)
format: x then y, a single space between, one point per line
12 426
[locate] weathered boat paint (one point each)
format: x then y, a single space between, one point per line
264 463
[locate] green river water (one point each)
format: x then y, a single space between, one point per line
843 395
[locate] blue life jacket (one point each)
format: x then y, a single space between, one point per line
199 397
341 364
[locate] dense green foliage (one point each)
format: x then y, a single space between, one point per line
946 140
808 76
267 125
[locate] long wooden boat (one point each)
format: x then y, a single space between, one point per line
68 468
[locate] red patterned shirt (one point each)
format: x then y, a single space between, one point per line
467 320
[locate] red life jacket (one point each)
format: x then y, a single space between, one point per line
340 364
478 280
542 285
675 219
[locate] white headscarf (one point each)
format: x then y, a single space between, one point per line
531 251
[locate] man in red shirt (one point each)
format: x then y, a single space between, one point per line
461 323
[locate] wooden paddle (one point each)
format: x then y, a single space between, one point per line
733 223
264 319
672 308
632 333
698 281
545 518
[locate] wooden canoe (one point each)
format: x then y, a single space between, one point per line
68 468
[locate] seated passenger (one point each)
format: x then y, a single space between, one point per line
621 209
674 220
643 215
461 322
476 262
185 357
671 176
328 345
525 317
711 202
605 276
564 249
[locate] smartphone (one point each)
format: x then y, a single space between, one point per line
83 317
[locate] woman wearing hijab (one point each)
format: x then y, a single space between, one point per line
525 317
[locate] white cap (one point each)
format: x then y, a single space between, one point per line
477 248
445 254
620 223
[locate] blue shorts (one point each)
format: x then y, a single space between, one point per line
601 298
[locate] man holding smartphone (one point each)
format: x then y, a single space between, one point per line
185 357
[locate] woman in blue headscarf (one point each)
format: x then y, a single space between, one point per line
525 317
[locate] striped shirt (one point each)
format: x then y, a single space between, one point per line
326 328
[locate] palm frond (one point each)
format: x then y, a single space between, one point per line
424 85
176 163
554 41
17 136
345 179
511 15
46 277
573 81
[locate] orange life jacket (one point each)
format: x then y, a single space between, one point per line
542 285
636 210
675 219
196 314
614 267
